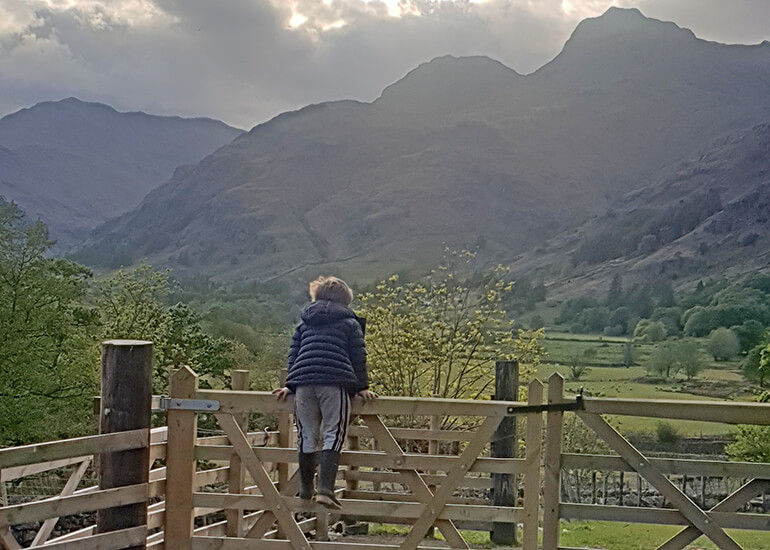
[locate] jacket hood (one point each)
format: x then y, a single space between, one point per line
323 312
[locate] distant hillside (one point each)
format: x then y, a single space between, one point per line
705 216
461 151
75 164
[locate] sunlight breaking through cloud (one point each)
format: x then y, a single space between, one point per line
246 60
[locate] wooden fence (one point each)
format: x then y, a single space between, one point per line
417 462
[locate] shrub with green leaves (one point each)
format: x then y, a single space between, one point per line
441 336
752 443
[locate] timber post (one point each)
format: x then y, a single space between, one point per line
236 480
552 465
126 404
532 467
180 463
503 445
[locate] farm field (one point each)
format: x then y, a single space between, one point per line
605 377
619 382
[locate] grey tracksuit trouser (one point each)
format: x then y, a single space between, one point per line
322 414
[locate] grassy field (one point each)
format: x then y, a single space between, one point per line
604 535
606 378
591 349
635 536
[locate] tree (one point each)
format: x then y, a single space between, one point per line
132 306
700 322
689 358
671 317
672 357
628 353
619 318
577 369
650 331
663 360
753 367
764 362
595 318
536 322
752 443
47 375
723 344
442 336
615 293
750 334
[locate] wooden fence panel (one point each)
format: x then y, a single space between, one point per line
70 448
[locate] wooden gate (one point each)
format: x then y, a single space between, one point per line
656 471
444 490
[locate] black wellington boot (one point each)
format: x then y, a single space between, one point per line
330 461
306 473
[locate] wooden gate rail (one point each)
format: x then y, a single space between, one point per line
414 461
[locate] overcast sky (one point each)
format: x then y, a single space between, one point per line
244 61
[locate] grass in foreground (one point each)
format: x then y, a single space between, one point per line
635 536
604 535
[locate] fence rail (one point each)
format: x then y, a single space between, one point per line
236 489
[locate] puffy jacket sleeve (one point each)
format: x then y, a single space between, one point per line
296 341
357 354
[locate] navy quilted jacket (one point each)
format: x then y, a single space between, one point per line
328 348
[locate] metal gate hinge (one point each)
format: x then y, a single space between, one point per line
200 405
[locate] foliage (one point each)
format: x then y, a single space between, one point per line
752 367
46 373
523 296
536 322
764 362
441 336
644 230
650 331
700 321
671 317
750 334
628 353
752 443
723 344
615 293
666 432
579 438
576 368
617 314
672 357
132 306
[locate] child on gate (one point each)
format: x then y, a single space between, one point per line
326 366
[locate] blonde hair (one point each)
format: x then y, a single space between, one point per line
330 288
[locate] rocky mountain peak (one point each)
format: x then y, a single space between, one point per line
447 83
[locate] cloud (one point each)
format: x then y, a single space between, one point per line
244 61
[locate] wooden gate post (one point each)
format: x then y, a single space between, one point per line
126 404
552 465
504 446
180 463
533 446
236 479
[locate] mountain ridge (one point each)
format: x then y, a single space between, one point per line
371 189
79 163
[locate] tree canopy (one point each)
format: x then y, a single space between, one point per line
47 372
